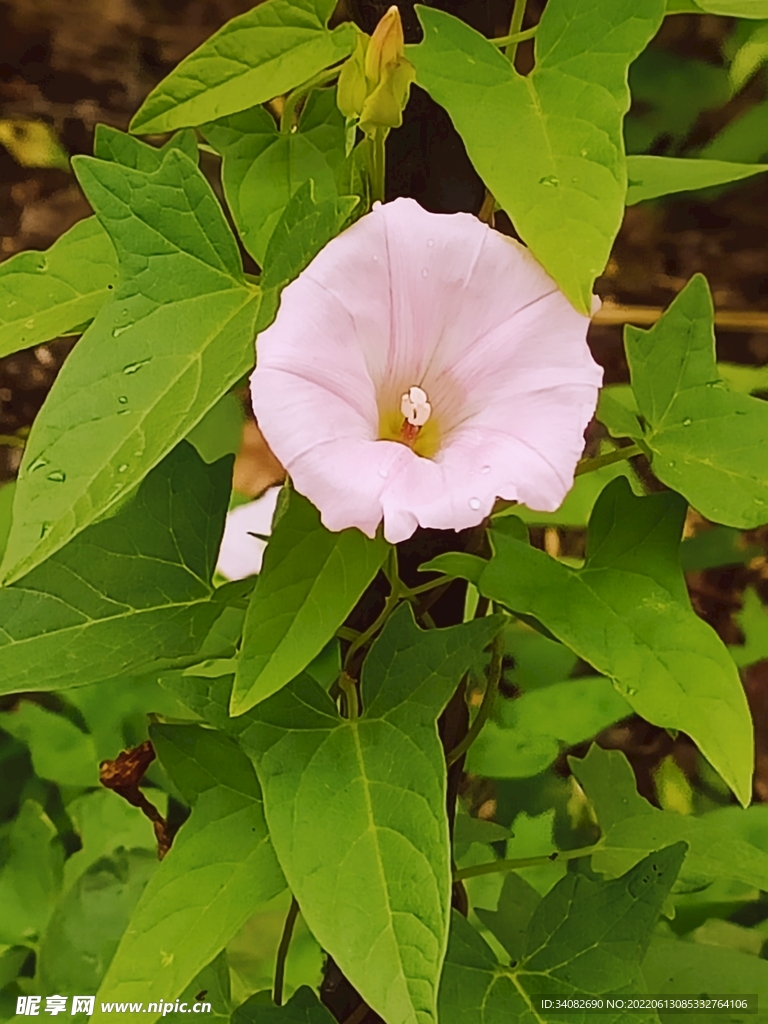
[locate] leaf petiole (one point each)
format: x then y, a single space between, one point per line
517 37
525 862
599 461
515 25
282 951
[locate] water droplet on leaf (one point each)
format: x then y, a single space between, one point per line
134 367
550 179
122 468
123 399
687 421
120 330
30 323
38 464
57 476
44 529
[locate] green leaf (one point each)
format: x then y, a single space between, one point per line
617 410
30 874
105 822
302 1008
749 379
585 938
631 827
114 145
510 921
220 869
260 54
350 801
199 759
743 138
728 8
753 623
86 926
47 294
680 968
129 592
526 735
262 167
653 176
220 431
627 613
705 441
566 197
60 751
177 335
310 581
303 229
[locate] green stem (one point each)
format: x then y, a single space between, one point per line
489 697
292 100
619 455
282 951
524 862
12 441
393 599
423 588
377 164
518 13
518 37
349 689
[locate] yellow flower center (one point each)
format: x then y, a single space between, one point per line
412 424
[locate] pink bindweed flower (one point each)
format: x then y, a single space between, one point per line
420 367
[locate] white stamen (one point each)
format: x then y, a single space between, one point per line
415 407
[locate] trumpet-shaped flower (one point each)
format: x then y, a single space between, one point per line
422 366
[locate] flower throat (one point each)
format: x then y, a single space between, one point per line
413 424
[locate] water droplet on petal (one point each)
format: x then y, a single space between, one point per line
485 469
123 399
550 179
375 259
430 242
474 504
122 468
687 421
57 476
134 367
424 272
383 473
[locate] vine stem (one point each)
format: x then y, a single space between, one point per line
489 697
619 455
12 441
377 164
518 37
518 13
282 951
389 606
525 862
292 100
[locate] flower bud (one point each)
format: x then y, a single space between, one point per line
353 87
387 46
374 84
